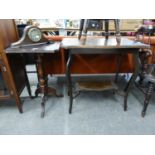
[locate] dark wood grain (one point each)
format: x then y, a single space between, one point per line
70 43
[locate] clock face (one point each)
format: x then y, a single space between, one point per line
34 34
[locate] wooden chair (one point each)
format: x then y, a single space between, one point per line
150 77
147 73
97 24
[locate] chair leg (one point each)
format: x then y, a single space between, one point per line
85 27
147 98
81 28
106 22
117 27
143 60
144 55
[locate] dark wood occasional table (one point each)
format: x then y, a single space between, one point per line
91 45
39 50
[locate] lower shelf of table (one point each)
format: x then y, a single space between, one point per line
96 86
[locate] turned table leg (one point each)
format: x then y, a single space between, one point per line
43 86
42 83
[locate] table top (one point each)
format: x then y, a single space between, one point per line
101 43
45 48
75 43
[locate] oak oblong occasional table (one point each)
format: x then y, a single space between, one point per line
93 45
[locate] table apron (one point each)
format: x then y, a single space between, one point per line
103 51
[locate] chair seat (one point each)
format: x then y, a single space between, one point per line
150 77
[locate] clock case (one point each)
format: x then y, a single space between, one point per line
26 41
